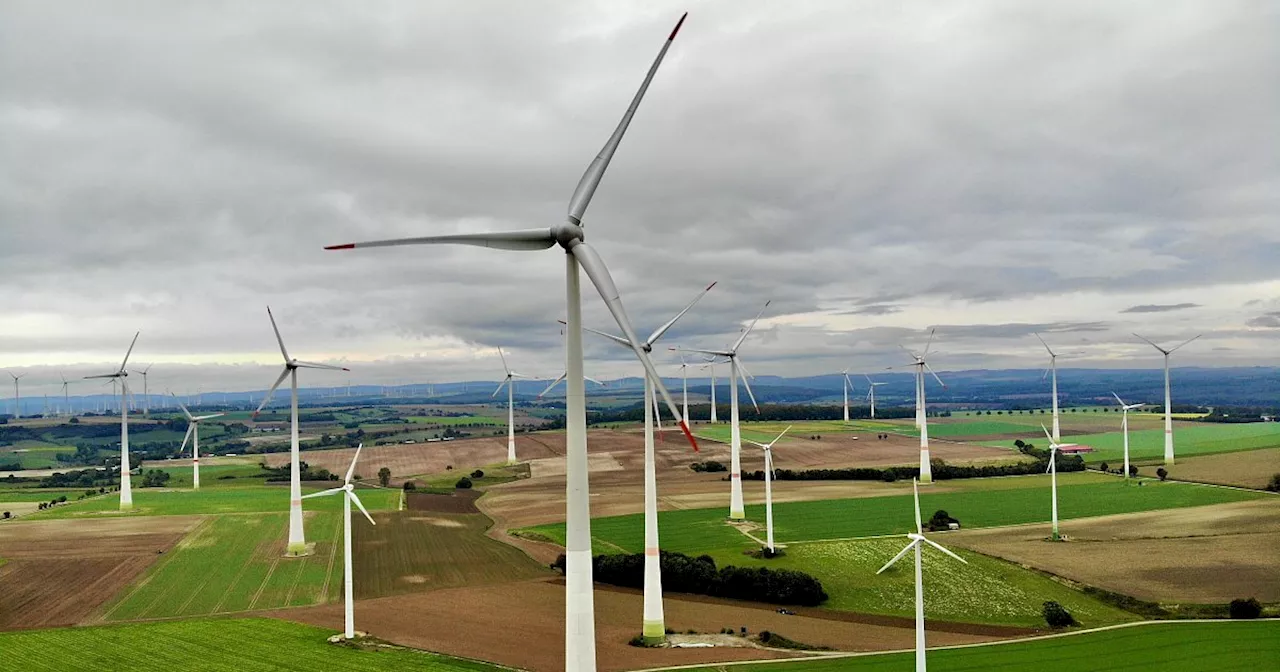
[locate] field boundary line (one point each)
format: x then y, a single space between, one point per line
1003 642
234 582
151 571
263 586
328 572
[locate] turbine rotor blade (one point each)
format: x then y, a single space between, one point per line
595 171
523 240
1166 352
355 499
743 337
657 333
277 330
190 426
940 548
504 364
1118 398
780 435
126 355
208 417
324 493
935 376
267 397
1047 434
915 490
180 405
552 385
1185 342
899 556
616 339
504 382
928 344
297 363
750 394
1046 345
352 469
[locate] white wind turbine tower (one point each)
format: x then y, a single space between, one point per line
768 486
510 382
580 652
1168 404
917 541
122 375
349 496
1124 427
297 540
146 395
1053 368
711 366
922 420
848 385
736 509
193 427
17 397
1054 447
684 386
871 393
653 627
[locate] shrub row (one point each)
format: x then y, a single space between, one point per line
941 471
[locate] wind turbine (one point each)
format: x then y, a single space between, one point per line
736 508
1124 426
684 386
580 652
871 393
917 541
193 427
711 364
349 496
122 375
1054 447
510 382
922 419
66 396
768 486
297 540
848 385
1053 367
17 397
1168 404
146 398
653 627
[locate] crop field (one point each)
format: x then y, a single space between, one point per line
176 502
1188 440
211 475
1244 469
235 563
1192 646
454 421
986 590
1022 499
412 551
33 454
248 644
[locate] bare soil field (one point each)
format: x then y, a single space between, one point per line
460 501
522 625
1208 554
835 450
1245 469
415 459
59 572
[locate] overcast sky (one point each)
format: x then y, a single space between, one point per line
876 169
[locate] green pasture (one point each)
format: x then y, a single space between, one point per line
1189 646
211 476
41 494
974 502
453 421
1148 444
987 590
181 502
766 431
241 644
34 454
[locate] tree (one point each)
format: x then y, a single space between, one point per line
463 483
384 476
940 521
1104 466
477 474
1274 485
1249 608
1162 473
1133 471
7 515
1057 616
410 485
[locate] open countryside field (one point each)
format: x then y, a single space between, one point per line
1189 439
241 644
176 502
1228 646
1021 499
1245 469
986 590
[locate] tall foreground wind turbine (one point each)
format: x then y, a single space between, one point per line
1168 404
1053 368
1054 447
510 382
17 396
737 510
848 385
768 486
921 365
580 649
1124 427
653 627
193 428
297 539
122 375
917 541
871 393
349 497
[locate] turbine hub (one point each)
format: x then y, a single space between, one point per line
566 234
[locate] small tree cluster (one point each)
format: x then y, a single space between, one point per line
708 466
463 483
940 521
1245 608
1057 616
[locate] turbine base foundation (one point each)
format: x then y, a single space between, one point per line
653 633
299 550
737 515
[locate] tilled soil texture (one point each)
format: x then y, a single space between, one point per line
459 501
1245 469
416 551
60 572
1204 554
522 625
415 459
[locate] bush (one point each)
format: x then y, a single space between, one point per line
708 466
410 485
940 521
7 515
1274 485
1057 616
477 474
1249 608
1133 471
463 483
1162 473
1104 466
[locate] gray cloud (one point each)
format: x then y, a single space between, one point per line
1265 321
1159 308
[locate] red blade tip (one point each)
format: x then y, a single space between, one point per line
677 28
689 435
710 286
346 246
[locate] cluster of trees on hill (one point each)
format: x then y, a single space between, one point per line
1230 414
305 472
700 576
768 413
941 471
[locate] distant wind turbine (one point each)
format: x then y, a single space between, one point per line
510 382
871 393
768 486
848 385
1054 447
1168 404
917 541
349 497
1124 427
297 539
1053 368
711 365
146 395
66 395
122 375
17 396
193 429
921 365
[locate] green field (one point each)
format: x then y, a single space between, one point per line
766 431
34 454
977 503
244 645
1221 646
453 421
1198 439
986 590
41 494
179 502
211 476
